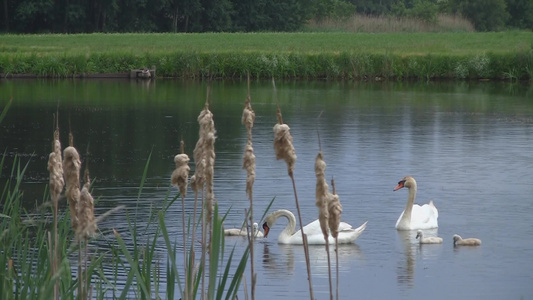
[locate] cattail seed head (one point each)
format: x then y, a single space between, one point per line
322 194
181 173
249 166
335 210
248 117
55 167
87 225
283 146
71 169
204 156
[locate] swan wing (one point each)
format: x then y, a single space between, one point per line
310 229
424 217
346 236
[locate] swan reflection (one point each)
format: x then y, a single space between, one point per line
290 254
406 267
410 246
279 264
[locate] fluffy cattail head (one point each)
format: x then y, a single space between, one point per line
181 173
248 117
249 166
87 225
71 169
204 156
283 146
335 210
55 167
322 194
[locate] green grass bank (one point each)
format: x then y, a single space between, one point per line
333 55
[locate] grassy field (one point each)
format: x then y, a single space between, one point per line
300 55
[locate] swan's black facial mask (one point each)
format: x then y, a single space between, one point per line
400 185
265 229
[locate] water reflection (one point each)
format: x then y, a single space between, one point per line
464 135
412 251
406 266
284 261
278 263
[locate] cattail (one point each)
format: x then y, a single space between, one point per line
87 225
335 210
55 166
248 117
249 166
283 146
322 194
204 156
210 172
181 173
71 168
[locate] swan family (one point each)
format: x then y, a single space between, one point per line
414 217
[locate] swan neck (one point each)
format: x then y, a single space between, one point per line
291 224
410 202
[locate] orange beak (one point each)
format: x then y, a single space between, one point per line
399 186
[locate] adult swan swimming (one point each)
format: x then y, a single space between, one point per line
347 234
414 216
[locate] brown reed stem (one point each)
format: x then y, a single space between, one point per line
204 243
186 293
329 271
249 164
55 166
80 273
304 237
336 246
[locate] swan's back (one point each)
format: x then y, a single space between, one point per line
422 217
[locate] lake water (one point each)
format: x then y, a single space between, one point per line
468 144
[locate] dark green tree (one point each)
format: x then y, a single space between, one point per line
521 12
424 10
486 15
250 15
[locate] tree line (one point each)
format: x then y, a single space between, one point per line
86 16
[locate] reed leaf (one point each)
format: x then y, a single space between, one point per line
133 264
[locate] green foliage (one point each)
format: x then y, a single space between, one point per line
424 10
486 15
302 55
521 12
76 16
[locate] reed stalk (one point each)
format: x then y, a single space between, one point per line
322 204
180 178
335 210
285 150
56 184
248 118
86 229
204 156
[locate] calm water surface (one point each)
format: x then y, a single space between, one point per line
469 145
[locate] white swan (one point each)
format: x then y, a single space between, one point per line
429 239
459 241
347 234
414 216
243 231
